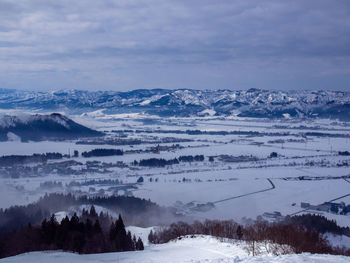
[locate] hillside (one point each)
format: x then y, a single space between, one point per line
41 127
199 249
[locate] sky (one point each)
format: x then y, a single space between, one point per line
200 44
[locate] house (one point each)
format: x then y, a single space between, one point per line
304 205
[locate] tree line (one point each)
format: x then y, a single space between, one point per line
95 182
85 234
102 152
135 210
295 234
160 162
190 158
9 160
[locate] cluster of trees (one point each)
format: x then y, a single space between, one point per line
102 152
345 210
122 240
155 162
71 234
51 185
199 132
111 141
224 229
190 158
293 235
323 134
15 217
318 223
273 155
291 238
95 182
120 202
104 219
160 162
9 160
135 210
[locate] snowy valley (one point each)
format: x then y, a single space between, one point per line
203 166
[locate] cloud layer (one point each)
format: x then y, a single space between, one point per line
129 44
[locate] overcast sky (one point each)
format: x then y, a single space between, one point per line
201 44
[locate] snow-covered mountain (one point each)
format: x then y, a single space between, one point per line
39 127
187 102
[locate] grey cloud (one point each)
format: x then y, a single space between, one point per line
272 40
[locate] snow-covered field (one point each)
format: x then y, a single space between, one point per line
237 189
199 249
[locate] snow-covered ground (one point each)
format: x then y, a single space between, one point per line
202 249
338 240
202 182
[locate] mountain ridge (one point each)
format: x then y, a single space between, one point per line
189 102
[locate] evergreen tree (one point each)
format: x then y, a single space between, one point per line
49 229
151 237
239 232
129 245
62 233
74 222
89 228
97 227
93 212
118 235
139 244
134 242
112 232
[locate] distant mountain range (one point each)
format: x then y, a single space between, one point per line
186 102
40 127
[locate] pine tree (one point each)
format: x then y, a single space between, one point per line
50 230
62 233
129 245
112 233
139 244
239 232
151 237
97 227
134 242
117 235
93 213
89 228
74 222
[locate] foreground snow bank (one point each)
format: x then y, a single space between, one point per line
199 249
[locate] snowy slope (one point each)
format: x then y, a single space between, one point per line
200 249
37 127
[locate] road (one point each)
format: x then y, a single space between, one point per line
296 148
252 193
329 201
